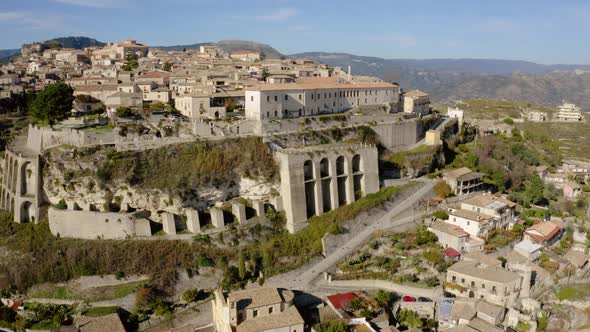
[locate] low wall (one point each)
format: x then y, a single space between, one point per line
386 285
93 225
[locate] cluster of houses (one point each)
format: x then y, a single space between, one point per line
204 83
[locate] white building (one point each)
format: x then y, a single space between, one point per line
569 112
197 106
247 55
456 113
277 101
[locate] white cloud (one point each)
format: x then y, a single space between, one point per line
92 3
400 40
280 14
29 20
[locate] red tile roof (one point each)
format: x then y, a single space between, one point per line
450 252
340 300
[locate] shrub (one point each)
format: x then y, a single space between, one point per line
442 189
124 112
61 205
191 295
119 275
441 214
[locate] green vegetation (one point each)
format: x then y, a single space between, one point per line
440 214
130 62
570 137
333 326
418 158
497 109
191 295
409 319
53 104
46 316
573 292
442 189
100 311
185 166
124 112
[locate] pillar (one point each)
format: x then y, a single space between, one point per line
349 180
333 185
217 217
277 202
168 223
193 223
319 198
258 206
239 211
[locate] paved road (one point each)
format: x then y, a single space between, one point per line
386 221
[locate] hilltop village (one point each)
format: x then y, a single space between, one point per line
207 189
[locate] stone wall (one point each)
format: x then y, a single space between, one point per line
93 225
42 138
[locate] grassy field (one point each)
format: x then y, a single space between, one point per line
497 109
65 292
571 137
573 292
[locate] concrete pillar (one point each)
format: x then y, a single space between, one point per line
319 198
168 223
192 221
217 217
349 180
258 206
277 202
124 207
239 211
333 185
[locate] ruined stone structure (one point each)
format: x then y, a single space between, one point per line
315 180
92 225
20 182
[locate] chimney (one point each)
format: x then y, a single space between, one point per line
349 74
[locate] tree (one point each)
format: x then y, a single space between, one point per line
265 73
124 112
442 189
241 265
383 298
144 296
424 236
167 66
409 319
440 214
534 190
131 62
332 326
191 295
53 104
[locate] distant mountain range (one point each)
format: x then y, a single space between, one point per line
447 80
450 80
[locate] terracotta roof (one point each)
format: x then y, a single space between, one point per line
471 215
96 87
486 200
155 74
484 272
450 252
320 86
543 231
339 300
449 229
256 297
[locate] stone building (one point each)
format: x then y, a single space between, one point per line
416 101
481 281
315 180
256 310
463 181
291 100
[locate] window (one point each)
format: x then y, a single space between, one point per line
468 223
300 97
270 310
251 98
255 313
473 284
483 286
286 97
267 99
463 280
267 114
276 98
454 278
493 288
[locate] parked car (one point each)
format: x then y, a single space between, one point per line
424 299
407 298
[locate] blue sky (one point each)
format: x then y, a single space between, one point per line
537 30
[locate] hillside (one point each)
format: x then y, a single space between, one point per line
230 46
77 42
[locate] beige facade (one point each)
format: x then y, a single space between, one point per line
315 180
569 113
247 55
478 280
432 137
416 101
198 106
463 181
291 100
256 310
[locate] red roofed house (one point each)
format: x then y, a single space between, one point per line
340 300
452 253
544 232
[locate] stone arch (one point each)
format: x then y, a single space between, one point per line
27 213
356 164
308 170
324 168
308 175
14 175
8 172
357 176
26 176
341 177
471 294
